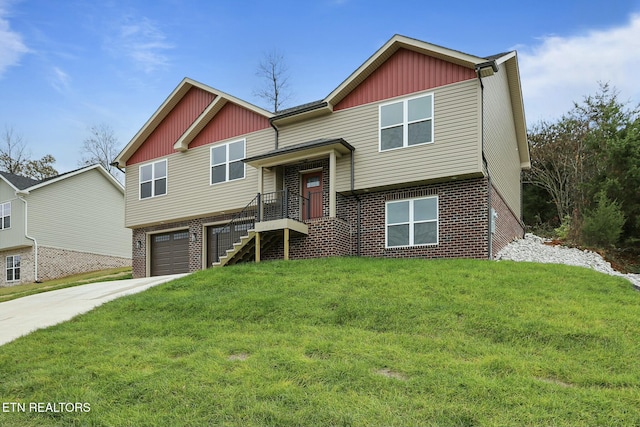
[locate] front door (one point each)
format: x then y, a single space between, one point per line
312 193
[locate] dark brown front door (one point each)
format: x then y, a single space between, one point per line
312 192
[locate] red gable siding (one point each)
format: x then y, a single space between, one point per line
232 120
160 142
405 72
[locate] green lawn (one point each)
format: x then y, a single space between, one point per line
343 341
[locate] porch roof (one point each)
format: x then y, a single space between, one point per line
307 150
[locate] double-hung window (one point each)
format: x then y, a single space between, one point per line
153 179
407 122
412 222
226 162
13 268
5 215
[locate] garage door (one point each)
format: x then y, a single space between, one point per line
170 253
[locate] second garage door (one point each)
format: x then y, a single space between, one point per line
170 253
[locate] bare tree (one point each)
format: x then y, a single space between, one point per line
273 70
101 147
558 156
13 155
16 159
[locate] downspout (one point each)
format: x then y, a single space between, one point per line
277 132
359 201
26 234
479 68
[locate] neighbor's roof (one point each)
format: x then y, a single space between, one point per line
18 182
24 184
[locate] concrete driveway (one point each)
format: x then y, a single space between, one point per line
21 316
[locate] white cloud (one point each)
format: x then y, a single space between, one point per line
561 70
144 43
11 45
60 80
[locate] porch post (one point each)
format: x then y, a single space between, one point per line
286 244
257 246
332 184
260 180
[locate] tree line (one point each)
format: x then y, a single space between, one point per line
585 172
100 147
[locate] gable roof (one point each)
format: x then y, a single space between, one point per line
221 98
483 66
387 50
25 185
17 182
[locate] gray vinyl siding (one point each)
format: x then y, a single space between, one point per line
456 150
13 236
501 147
84 212
189 192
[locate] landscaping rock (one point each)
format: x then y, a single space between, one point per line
536 249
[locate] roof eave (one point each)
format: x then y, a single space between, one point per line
167 106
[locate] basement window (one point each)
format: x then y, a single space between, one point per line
412 222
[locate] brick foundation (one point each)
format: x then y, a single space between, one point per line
462 228
54 263
508 226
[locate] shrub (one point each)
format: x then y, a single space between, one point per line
562 232
603 225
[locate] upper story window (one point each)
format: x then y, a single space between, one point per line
5 215
226 162
153 179
412 222
406 122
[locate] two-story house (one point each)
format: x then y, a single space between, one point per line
418 153
68 224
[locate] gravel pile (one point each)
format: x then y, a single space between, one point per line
533 248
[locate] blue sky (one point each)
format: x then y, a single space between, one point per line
66 65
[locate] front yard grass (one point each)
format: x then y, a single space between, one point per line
343 341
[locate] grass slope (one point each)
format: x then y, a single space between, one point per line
344 341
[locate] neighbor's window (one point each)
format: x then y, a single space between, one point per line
226 162
153 179
5 215
407 122
412 222
13 268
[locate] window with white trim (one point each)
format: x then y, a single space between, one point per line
13 268
412 222
407 122
226 162
5 215
153 179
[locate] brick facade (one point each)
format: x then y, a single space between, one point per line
463 225
508 226
54 263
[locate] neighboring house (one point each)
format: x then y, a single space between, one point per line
59 226
418 153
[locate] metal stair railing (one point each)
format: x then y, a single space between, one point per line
239 226
264 207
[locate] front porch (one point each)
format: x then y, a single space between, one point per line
304 179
